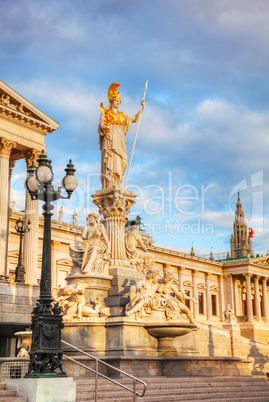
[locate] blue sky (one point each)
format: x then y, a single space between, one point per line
204 132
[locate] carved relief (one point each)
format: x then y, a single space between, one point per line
153 294
5 101
72 300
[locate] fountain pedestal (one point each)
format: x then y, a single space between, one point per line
174 338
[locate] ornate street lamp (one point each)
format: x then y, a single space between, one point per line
21 229
46 352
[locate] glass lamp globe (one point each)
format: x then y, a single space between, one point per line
19 223
32 184
70 183
44 174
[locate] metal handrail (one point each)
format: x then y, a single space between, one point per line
97 360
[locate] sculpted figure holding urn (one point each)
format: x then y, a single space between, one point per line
92 254
113 126
158 294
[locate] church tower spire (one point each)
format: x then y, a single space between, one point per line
241 244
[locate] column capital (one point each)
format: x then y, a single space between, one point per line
181 269
55 244
208 275
220 278
194 272
6 147
248 275
228 277
256 277
264 279
31 156
166 267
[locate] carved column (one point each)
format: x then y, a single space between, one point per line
208 297
114 204
265 299
180 279
5 151
257 297
249 298
195 293
30 246
221 298
54 245
229 290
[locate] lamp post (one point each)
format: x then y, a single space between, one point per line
46 352
20 269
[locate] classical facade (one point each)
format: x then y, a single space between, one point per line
231 295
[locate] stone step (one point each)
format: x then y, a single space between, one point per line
253 389
184 380
164 386
254 398
15 399
174 389
9 395
5 392
261 396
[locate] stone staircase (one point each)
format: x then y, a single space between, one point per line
180 389
9 396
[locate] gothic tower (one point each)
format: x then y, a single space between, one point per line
241 244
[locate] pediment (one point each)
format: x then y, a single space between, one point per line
13 253
214 288
14 105
201 286
188 283
65 262
261 261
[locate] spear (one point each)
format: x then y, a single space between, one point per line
137 127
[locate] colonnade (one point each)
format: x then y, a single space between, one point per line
226 294
256 278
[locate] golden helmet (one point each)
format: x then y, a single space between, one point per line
113 92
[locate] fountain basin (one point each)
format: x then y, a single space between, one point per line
169 330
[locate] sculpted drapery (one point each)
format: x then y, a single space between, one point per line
113 126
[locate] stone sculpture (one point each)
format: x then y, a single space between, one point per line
153 294
174 304
229 315
142 295
113 126
24 343
60 215
93 253
72 300
142 260
74 217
